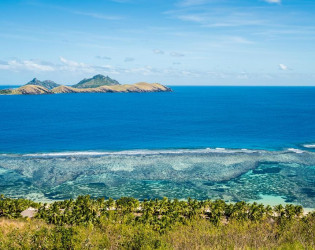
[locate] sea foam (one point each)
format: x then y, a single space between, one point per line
160 152
139 152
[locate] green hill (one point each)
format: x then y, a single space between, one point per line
96 81
46 84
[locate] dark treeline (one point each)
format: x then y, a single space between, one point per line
160 224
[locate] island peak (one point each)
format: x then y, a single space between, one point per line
48 84
95 82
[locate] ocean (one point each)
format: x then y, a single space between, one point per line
232 143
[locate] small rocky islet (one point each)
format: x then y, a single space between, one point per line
96 84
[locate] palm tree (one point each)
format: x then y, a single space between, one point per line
298 210
110 203
289 211
279 210
268 211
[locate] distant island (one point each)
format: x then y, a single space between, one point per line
96 84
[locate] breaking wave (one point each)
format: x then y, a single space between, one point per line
159 152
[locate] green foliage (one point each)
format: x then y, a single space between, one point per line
12 208
5 91
46 84
127 223
96 81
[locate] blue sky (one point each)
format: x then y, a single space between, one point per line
182 42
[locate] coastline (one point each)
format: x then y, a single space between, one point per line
266 200
141 87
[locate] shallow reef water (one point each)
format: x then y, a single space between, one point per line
231 175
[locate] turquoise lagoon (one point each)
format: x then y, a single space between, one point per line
231 175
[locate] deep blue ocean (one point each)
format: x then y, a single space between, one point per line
189 117
232 143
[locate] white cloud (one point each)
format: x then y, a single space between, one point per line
73 66
283 67
146 70
273 1
66 66
69 65
219 17
97 15
189 73
176 54
30 65
193 18
104 57
158 51
78 12
242 76
234 22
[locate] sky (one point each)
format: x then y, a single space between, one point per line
179 42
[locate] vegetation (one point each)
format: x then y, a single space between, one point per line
95 82
46 84
127 223
5 91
